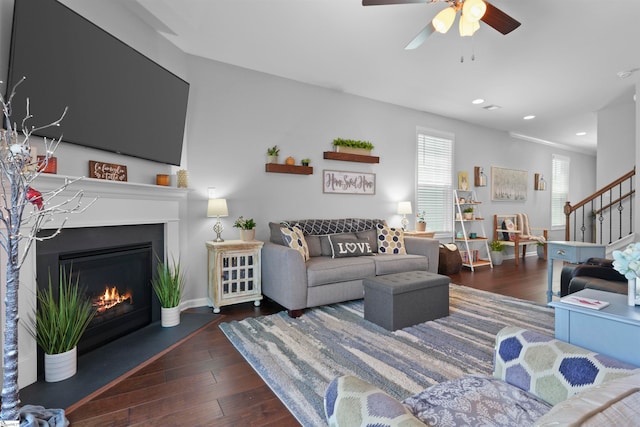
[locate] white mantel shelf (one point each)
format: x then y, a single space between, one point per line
103 188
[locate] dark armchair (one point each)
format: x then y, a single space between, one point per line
595 273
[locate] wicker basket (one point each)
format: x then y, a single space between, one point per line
449 261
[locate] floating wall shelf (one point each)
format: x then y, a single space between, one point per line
348 157
295 169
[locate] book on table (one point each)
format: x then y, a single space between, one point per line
595 304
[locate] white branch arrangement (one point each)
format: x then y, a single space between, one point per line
18 171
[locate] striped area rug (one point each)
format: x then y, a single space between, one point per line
298 358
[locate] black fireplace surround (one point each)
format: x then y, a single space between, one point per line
111 262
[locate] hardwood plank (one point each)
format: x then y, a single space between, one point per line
205 381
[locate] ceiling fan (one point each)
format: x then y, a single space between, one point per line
472 11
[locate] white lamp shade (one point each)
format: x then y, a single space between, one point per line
404 208
217 207
473 10
444 20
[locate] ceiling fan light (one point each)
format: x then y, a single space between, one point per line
468 28
473 10
444 20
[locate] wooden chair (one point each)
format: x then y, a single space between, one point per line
514 230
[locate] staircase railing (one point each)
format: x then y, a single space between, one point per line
605 216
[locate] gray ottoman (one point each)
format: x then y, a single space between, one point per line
395 301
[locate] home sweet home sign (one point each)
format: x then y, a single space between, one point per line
107 171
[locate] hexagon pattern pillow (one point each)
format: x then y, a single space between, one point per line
294 238
390 240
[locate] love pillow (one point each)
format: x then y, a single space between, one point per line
345 247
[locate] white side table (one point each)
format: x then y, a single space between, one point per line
613 330
234 269
573 252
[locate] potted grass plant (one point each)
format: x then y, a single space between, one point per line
59 325
168 286
247 228
352 146
496 248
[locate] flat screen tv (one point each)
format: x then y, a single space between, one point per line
118 100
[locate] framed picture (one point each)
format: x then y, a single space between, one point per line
341 182
508 184
463 181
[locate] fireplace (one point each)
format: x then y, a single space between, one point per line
114 266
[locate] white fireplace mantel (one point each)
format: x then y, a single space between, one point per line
107 203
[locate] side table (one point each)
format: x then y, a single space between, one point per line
573 252
234 269
428 234
613 330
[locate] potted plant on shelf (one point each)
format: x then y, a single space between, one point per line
352 146
59 324
467 213
247 228
496 248
272 154
421 222
305 162
168 286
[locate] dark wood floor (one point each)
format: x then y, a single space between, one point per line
205 382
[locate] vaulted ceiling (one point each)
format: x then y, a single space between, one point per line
561 65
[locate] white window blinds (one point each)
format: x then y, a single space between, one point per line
559 189
434 180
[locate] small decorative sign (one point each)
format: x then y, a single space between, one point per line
107 171
348 182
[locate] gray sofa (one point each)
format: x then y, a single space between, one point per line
295 284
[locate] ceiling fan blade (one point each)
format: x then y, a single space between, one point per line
384 2
421 37
499 20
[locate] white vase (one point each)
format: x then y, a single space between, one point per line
497 257
631 292
170 316
247 235
58 367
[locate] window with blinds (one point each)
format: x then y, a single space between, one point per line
559 189
434 179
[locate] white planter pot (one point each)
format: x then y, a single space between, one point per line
421 226
170 316
58 367
497 257
272 159
248 235
351 150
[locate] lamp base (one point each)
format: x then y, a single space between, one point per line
218 230
405 222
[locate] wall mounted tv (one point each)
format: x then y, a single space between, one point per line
118 99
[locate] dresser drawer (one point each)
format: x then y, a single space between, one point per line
562 252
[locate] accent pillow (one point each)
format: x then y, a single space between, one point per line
370 235
326 244
390 240
294 238
345 247
507 224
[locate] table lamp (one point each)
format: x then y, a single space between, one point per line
404 208
217 208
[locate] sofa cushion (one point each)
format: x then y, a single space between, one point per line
614 403
313 242
323 270
294 238
350 401
389 264
345 247
476 401
390 240
551 369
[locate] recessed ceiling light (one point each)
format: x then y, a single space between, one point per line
477 101
529 117
581 133
492 107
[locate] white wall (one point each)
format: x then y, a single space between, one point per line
238 113
616 134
